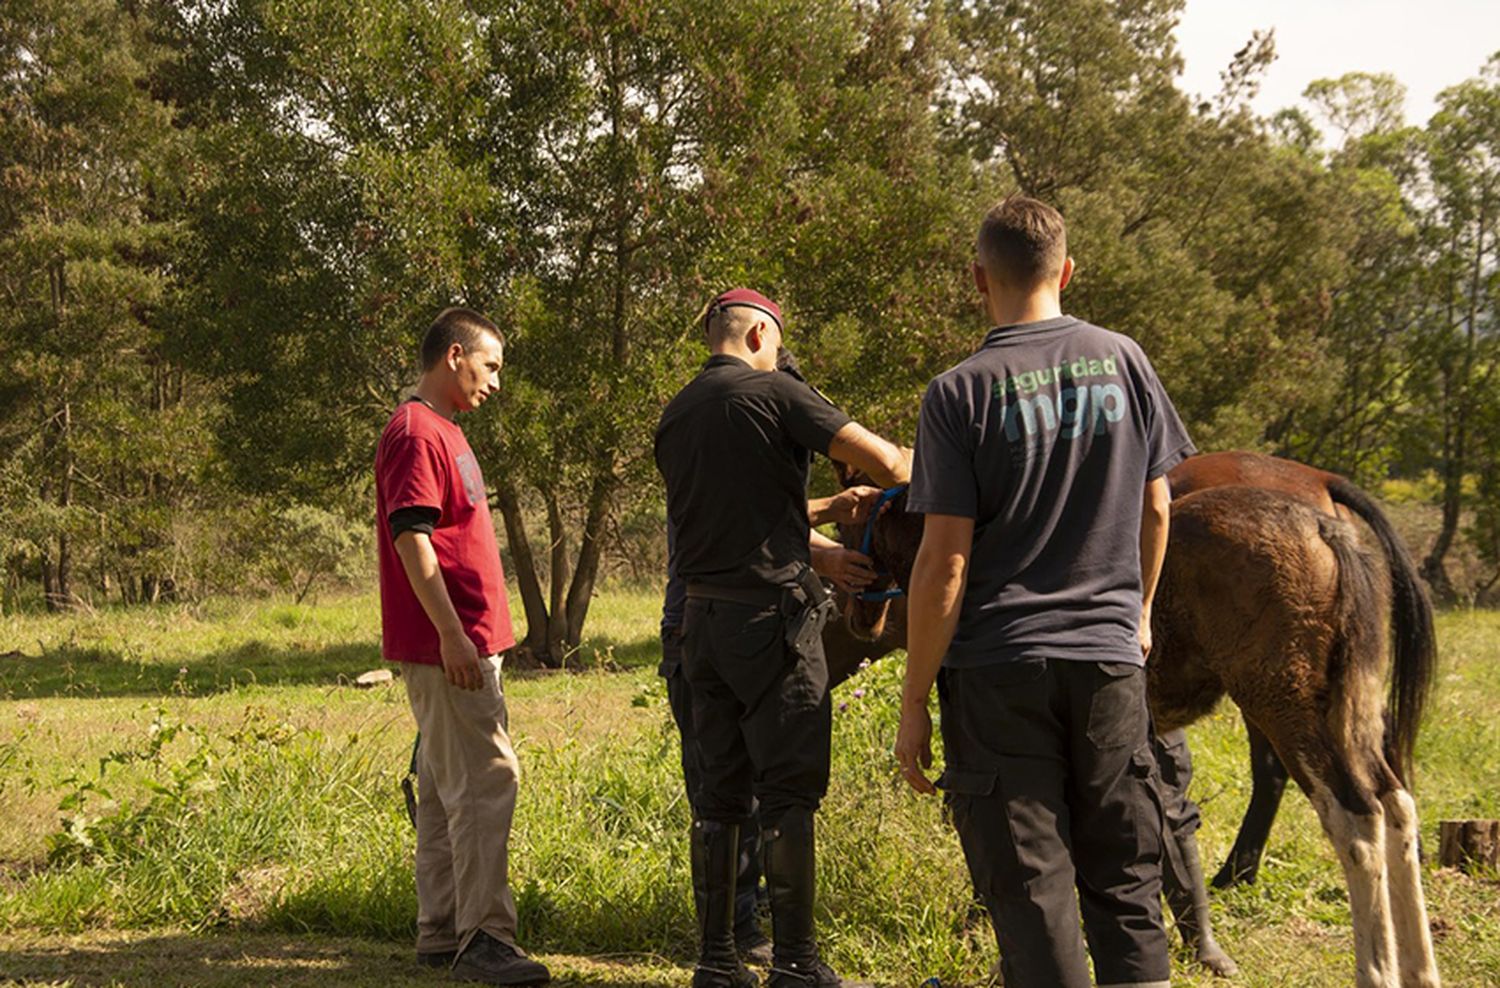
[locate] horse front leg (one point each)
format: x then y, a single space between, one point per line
1268 777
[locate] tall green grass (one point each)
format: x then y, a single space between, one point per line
240 819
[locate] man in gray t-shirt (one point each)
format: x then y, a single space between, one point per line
1040 466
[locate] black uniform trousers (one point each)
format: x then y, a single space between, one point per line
680 699
1175 762
1052 784
760 713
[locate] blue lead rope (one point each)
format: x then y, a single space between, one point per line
886 497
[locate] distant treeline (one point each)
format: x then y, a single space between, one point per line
224 223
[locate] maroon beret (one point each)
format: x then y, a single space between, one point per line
747 298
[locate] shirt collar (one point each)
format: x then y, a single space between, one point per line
725 360
1028 329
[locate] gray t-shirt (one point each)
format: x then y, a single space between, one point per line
1046 437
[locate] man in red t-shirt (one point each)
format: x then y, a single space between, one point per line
444 615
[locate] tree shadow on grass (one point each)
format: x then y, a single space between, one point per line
92 671
97 671
236 959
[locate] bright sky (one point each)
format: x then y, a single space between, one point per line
1427 45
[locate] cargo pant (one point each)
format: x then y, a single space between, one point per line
467 778
1052 784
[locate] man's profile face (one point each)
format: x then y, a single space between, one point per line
476 372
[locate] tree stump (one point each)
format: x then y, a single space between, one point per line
1469 844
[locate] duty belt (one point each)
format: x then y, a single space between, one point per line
753 596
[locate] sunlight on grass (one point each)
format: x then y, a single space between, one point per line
255 795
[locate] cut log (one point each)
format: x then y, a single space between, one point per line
1469 844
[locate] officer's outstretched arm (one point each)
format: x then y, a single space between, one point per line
883 462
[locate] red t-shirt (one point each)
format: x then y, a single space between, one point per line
423 460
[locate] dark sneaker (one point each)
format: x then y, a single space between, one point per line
754 947
491 962
818 975
436 958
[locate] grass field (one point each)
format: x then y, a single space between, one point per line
196 795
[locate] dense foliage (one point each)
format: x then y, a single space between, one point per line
224 224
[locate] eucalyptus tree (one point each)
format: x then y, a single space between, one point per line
589 173
1197 229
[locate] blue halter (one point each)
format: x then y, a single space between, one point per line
886 497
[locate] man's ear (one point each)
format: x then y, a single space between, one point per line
756 337
1067 274
454 354
981 280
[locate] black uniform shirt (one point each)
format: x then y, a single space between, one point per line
1046 437
734 447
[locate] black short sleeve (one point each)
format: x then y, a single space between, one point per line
810 419
943 479
417 518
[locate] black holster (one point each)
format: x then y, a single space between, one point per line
808 606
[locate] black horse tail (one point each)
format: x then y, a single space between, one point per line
1413 639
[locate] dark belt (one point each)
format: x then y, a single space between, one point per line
753 596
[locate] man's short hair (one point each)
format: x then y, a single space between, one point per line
1022 242
458 325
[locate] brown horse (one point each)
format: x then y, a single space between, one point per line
1290 674
1276 604
897 535
1411 624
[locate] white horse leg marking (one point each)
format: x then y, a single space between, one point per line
1359 842
1408 906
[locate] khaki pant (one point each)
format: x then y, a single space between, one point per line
467 776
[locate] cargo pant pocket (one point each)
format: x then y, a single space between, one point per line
1117 709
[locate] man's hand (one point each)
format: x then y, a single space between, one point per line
849 570
914 747
853 506
461 661
1144 634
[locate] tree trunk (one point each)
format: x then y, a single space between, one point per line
581 593
557 579
1469 845
62 597
535 645
1434 566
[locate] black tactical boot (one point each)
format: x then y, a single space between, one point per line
750 941
715 860
1182 881
790 874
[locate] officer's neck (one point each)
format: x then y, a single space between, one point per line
738 350
1007 309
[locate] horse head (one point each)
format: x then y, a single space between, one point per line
890 540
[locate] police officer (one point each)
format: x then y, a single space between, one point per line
734 448
851 571
1040 465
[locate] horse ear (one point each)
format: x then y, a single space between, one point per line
844 472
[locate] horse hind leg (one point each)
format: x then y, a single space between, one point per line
1357 832
1408 906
